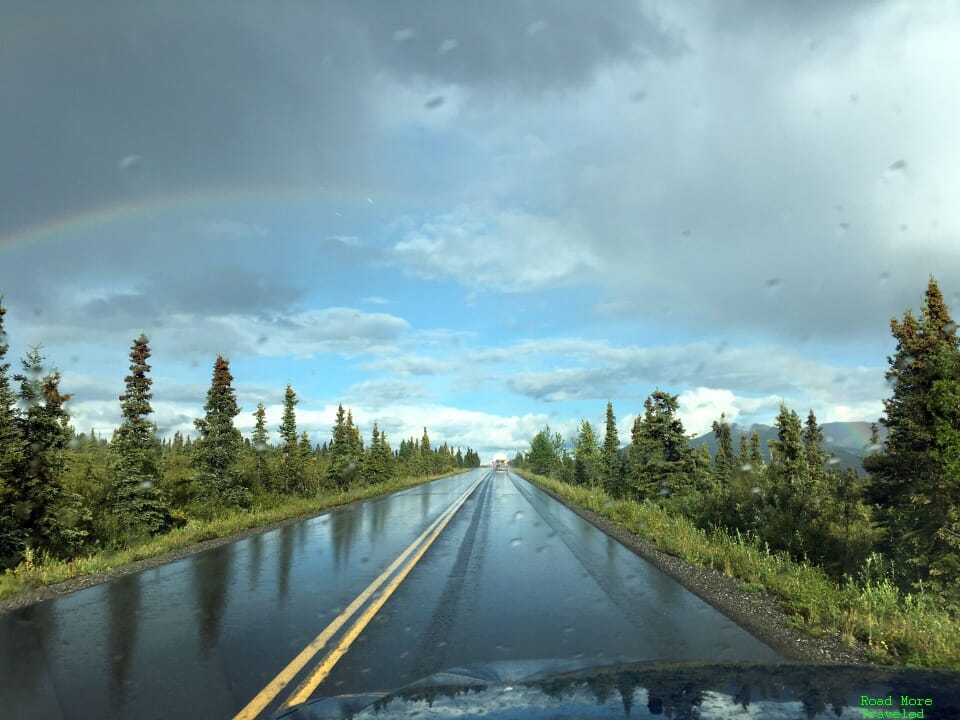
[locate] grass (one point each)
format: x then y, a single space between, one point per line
33 573
898 628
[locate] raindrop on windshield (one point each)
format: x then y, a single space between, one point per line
146 484
404 34
833 461
515 542
639 96
898 165
434 102
755 490
746 467
772 283
665 491
518 515
447 45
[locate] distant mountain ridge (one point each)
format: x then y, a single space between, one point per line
847 440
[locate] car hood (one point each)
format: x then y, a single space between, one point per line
549 689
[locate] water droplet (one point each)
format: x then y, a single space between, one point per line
536 27
746 467
568 629
829 439
540 548
515 542
833 461
441 644
407 628
877 447
146 484
404 34
404 654
898 165
518 515
755 490
665 491
364 560
447 45
434 102
772 283
639 96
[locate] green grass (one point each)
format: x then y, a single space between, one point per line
33 573
898 628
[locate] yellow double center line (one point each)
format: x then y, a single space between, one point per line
306 688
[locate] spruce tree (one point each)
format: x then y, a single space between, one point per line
587 458
261 438
914 482
725 460
216 451
12 446
426 463
343 466
305 481
134 496
542 458
610 461
756 460
49 519
291 471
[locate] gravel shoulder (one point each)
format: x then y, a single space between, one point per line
757 612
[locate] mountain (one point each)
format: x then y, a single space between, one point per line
847 440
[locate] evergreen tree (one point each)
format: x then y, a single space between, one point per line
913 479
756 461
660 461
306 481
261 438
216 451
725 459
587 458
814 458
459 458
134 497
49 520
343 467
425 458
291 469
542 458
789 462
12 447
743 456
610 460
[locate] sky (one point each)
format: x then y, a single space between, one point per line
483 217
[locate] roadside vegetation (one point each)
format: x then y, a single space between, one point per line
74 503
876 558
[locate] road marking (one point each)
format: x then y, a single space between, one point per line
323 669
285 676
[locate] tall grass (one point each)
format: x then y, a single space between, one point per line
898 628
36 571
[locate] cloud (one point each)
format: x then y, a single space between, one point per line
407 364
507 251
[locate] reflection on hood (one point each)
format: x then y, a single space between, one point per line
679 691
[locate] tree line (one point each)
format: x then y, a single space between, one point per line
63 493
905 513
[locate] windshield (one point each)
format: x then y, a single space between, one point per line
343 343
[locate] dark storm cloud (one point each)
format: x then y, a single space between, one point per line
126 100
528 46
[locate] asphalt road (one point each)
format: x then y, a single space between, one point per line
511 575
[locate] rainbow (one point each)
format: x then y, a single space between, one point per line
141 209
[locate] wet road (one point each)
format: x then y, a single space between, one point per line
514 575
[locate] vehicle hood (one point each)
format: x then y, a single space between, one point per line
550 689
